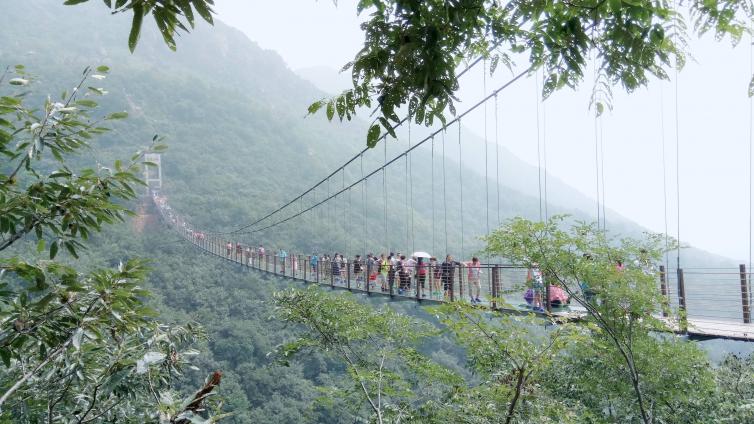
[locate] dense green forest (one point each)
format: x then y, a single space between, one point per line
233 117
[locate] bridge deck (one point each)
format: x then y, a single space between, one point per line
502 283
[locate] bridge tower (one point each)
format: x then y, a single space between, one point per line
153 173
145 214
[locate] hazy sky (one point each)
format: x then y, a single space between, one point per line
713 118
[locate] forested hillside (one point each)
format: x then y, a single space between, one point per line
234 118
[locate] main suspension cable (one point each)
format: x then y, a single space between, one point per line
414 147
344 165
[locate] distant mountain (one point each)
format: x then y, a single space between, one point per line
234 116
240 145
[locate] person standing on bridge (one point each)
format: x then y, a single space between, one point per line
358 269
313 263
421 275
335 268
434 276
447 275
474 277
384 270
536 280
228 248
260 252
282 254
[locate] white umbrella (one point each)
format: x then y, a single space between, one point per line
421 255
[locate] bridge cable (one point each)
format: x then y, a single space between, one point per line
486 159
751 144
544 151
384 198
497 160
677 163
432 182
664 176
596 141
444 192
383 138
364 201
460 179
602 175
539 146
415 146
411 187
406 202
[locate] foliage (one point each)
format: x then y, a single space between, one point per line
169 15
412 48
66 204
77 346
378 347
513 356
625 298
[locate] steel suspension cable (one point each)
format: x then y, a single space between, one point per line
486 159
432 182
596 144
411 187
408 217
460 179
497 160
384 198
602 175
444 192
544 153
396 158
751 145
364 201
664 176
539 145
677 163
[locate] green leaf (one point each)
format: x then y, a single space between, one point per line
53 249
86 103
133 37
373 135
74 2
40 245
330 110
117 115
103 69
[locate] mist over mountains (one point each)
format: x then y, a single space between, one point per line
240 144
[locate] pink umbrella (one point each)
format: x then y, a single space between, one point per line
558 295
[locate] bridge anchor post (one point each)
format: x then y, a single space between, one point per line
684 324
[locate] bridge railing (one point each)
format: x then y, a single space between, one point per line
714 301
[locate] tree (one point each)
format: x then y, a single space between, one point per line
412 48
625 355
512 355
81 346
378 347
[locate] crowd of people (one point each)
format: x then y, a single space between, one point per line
419 275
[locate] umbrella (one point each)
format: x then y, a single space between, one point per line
558 295
421 255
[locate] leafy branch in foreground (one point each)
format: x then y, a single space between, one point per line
169 15
78 347
616 281
413 48
39 199
377 346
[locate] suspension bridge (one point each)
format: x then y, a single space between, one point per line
705 302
